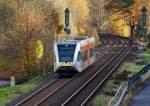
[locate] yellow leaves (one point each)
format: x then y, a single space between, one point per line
22 63
35 50
123 28
120 25
79 7
81 31
35 20
27 16
136 11
35 53
79 13
11 3
39 49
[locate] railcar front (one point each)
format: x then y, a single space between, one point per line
64 57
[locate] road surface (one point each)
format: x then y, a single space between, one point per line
143 97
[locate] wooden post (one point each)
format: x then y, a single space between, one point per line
12 79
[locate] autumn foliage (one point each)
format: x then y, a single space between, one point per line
29 29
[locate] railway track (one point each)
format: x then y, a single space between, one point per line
82 95
41 93
105 43
51 100
87 75
53 86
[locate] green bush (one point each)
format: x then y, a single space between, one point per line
123 75
117 82
100 100
111 92
109 89
21 80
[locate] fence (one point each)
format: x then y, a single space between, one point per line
116 100
133 82
139 77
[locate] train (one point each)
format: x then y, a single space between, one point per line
74 56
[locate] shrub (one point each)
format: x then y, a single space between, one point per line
109 89
123 75
117 82
100 100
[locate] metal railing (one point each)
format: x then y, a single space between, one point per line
116 100
139 77
133 82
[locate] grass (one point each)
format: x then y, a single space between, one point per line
112 85
108 91
130 67
9 93
147 56
101 100
111 88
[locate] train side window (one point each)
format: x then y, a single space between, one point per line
85 55
79 56
91 52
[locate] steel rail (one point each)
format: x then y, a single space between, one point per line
35 93
86 100
52 82
80 89
97 73
100 56
56 90
48 85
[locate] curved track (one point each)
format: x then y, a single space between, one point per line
56 84
89 80
64 91
81 96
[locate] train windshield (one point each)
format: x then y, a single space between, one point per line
66 52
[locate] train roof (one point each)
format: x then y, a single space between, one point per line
80 39
67 42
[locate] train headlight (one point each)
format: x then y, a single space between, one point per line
66 64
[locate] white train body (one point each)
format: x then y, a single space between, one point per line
73 56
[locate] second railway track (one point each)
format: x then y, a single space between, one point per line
49 90
53 86
57 100
81 96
